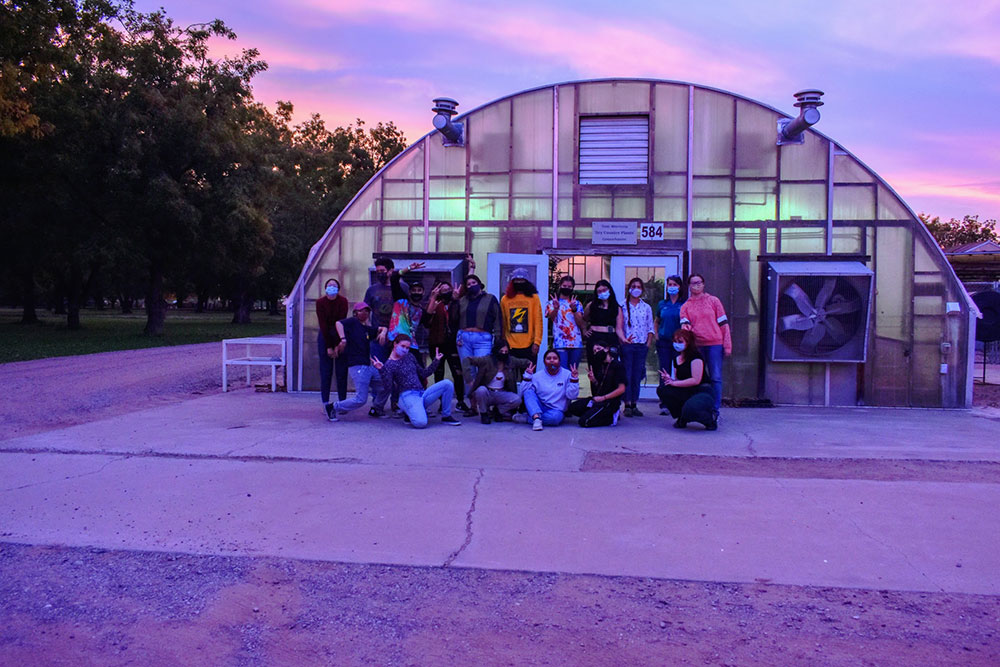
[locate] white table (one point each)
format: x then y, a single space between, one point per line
247 360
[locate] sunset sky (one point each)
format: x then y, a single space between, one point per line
912 86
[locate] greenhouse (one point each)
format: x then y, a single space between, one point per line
836 293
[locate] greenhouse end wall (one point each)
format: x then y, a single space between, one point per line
730 201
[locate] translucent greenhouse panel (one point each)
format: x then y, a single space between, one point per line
481 185
629 207
403 209
893 267
565 209
853 202
923 260
489 208
533 130
670 149
614 97
446 160
567 130
447 239
756 200
489 138
447 199
712 147
396 238
532 208
674 185
526 183
803 201
595 207
368 205
889 206
410 164
669 209
712 199
847 240
393 189
756 152
799 240
566 185
847 170
807 161
358 244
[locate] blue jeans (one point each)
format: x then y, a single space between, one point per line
472 344
551 416
415 403
363 378
713 363
569 356
634 357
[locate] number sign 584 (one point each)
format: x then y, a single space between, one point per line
651 231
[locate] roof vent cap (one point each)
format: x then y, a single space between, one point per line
791 131
445 108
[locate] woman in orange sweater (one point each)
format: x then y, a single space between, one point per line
703 315
521 312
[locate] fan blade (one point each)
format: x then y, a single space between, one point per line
797 322
813 337
836 330
842 307
825 293
800 298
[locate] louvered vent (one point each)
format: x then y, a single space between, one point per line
614 150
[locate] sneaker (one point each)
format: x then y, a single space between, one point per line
680 424
664 412
484 417
331 412
462 405
519 418
628 411
450 421
397 413
536 425
470 413
376 412
636 412
712 425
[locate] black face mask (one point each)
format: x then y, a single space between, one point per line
520 286
416 298
600 357
474 290
382 278
566 291
502 357
445 298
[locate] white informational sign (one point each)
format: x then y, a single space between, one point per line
650 231
613 233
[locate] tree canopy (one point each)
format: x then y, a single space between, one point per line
953 233
132 162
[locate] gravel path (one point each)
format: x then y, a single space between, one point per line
53 393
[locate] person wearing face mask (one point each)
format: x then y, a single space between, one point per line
521 312
408 311
330 309
476 320
547 393
636 332
379 297
703 315
607 385
687 392
566 315
668 320
495 386
355 335
601 318
441 337
402 372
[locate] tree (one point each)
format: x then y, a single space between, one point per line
954 233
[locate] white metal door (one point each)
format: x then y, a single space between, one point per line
654 271
499 266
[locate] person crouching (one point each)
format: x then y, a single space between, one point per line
401 372
547 393
494 390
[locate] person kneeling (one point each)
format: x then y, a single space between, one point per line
401 372
495 387
547 394
684 394
607 385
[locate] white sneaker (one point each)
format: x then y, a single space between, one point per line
536 425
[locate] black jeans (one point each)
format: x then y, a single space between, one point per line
455 364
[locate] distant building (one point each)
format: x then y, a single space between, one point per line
836 293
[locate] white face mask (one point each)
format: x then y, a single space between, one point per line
603 296
636 292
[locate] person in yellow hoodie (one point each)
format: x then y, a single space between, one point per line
521 312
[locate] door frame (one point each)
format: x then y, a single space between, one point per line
540 262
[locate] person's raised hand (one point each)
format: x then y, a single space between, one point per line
530 370
414 266
590 375
574 372
439 356
377 364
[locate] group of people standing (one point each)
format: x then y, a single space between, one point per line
392 342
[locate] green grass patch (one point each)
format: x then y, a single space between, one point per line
107 331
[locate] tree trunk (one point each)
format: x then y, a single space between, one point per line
156 307
202 302
242 305
28 314
126 302
272 307
58 300
74 296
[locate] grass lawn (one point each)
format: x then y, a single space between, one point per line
108 330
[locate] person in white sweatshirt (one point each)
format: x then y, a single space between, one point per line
547 393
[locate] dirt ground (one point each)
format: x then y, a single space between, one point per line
63 605
78 606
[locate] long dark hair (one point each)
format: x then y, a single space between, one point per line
612 299
530 291
683 294
628 297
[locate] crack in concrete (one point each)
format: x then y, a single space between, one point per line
895 549
148 454
468 521
65 479
750 443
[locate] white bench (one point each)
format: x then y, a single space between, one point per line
247 360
